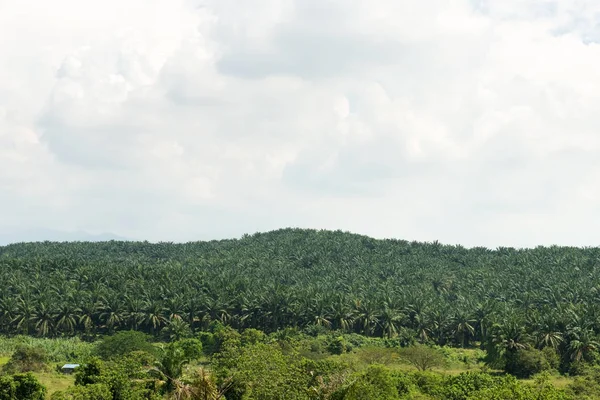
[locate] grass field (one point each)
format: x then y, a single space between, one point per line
54 381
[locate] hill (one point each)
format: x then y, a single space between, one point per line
308 279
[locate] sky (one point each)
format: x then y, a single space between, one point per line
473 122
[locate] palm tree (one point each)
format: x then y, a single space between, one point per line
463 327
43 320
366 316
154 318
111 314
88 314
582 343
66 317
391 319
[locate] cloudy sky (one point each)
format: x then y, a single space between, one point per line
463 121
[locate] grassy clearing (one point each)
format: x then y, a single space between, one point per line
55 381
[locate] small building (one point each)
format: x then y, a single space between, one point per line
69 368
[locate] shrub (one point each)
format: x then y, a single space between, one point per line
428 382
527 362
26 359
252 336
97 391
461 386
209 342
375 384
337 345
21 387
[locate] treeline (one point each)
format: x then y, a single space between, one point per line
506 300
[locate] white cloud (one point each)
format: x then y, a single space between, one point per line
462 121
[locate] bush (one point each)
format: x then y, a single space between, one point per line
262 372
252 336
428 382
209 342
26 359
98 391
404 383
21 387
375 384
527 362
337 345
461 386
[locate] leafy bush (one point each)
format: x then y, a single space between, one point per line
376 383
262 371
252 336
337 345
26 359
461 386
21 387
527 362
97 391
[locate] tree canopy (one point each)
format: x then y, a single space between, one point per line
508 299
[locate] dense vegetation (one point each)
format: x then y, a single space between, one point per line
513 302
222 363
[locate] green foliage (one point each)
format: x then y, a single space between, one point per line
376 383
422 357
527 362
90 372
8 388
587 384
337 345
461 386
123 343
210 343
263 372
97 391
57 350
122 378
27 359
318 282
428 382
176 329
512 389
21 387
192 348
252 336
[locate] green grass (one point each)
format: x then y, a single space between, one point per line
55 381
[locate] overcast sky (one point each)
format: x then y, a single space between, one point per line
463 121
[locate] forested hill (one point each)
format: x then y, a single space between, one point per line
302 278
